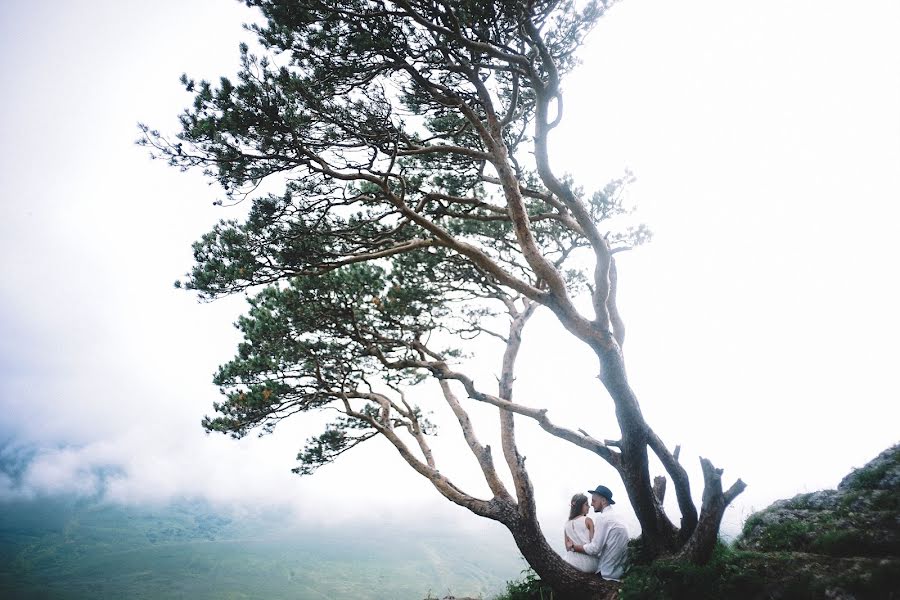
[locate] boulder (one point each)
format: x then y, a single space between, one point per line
861 518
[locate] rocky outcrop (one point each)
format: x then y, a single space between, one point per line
841 544
861 518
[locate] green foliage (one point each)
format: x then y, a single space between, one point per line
639 553
529 587
739 575
752 522
788 535
870 477
309 341
386 128
850 542
880 581
722 577
857 524
884 500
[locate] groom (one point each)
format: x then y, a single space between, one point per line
610 539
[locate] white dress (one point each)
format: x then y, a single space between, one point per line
578 532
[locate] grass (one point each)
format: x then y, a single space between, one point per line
744 575
869 478
529 587
789 535
722 577
850 543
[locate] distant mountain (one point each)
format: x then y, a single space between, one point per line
56 548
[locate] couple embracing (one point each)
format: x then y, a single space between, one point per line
596 543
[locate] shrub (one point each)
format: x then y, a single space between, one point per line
530 587
787 535
849 543
870 477
725 576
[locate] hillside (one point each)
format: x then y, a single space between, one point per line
840 544
62 549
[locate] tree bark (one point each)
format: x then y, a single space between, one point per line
658 532
567 582
699 547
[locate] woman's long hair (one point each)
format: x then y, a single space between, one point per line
578 502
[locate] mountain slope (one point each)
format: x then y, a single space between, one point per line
55 548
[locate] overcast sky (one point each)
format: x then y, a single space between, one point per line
762 320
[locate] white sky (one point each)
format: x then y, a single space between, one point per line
762 320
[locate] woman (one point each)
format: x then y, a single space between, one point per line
579 529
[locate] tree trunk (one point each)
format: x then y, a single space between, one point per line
699 547
566 582
658 532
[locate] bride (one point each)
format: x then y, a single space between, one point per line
579 530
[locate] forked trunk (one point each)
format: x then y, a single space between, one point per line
659 535
699 547
658 532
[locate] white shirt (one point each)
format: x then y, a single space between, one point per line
609 543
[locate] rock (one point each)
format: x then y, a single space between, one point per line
861 518
882 473
841 544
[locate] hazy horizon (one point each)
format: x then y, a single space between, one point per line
761 319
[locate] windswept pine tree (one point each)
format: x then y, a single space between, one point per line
419 206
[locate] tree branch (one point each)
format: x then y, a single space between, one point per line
441 483
482 453
681 482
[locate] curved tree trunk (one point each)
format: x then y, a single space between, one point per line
567 582
462 76
658 532
697 538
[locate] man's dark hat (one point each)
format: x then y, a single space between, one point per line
603 491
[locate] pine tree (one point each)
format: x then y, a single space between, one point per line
411 138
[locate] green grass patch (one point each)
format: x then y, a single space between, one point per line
850 543
530 587
723 577
740 575
869 478
790 535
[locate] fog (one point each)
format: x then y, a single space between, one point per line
762 320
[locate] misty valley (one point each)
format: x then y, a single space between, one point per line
64 548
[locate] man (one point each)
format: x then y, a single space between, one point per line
610 539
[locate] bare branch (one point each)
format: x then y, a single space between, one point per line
681 482
441 483
618 326
699 546
482 453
